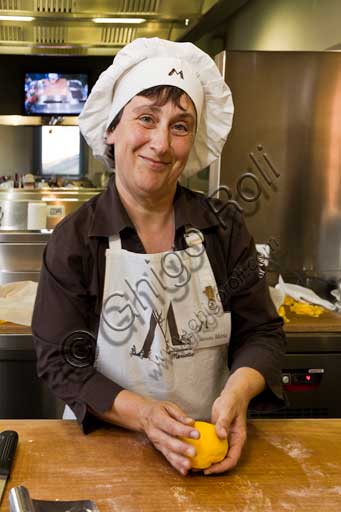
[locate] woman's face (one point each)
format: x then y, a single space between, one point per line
152 145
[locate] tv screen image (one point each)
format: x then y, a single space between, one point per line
55 93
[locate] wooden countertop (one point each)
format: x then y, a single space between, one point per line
10 328
288 465
327 322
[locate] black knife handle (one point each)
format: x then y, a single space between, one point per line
8 445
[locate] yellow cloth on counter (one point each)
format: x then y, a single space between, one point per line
299 308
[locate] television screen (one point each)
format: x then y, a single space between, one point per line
55 93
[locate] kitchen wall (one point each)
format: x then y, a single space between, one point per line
16 149
286 25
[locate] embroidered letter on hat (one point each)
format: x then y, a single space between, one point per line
178 73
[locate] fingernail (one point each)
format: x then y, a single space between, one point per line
194 434
191 452
189 420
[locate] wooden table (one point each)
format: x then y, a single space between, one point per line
10 328
329 321
288 465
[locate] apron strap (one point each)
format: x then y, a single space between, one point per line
115 242
193 236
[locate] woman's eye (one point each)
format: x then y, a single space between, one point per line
146 119
179 127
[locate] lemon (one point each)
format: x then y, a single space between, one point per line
209 447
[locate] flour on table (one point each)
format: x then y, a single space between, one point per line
313 491
312 471
336 490
179 494
119 504
253 497
287 506
333 465
294 449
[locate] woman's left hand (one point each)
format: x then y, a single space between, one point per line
229 414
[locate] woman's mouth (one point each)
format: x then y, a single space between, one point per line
155 164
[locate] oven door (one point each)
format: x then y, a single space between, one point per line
311 377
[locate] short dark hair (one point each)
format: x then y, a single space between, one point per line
162 95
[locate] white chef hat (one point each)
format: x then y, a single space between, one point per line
146 63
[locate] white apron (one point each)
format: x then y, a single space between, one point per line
163 332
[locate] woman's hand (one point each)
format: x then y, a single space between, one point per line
163 423
229 414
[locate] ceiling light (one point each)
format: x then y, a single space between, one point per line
118 20
16 18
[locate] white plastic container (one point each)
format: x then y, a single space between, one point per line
36 215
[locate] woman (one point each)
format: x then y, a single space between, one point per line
148 268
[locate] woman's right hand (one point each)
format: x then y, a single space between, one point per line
163 423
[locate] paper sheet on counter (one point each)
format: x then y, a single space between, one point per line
302 294
17 302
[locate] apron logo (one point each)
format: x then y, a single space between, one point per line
156 319
209 292
177 345
179 73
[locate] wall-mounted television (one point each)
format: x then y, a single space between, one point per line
55 94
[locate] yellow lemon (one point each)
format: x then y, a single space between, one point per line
209 447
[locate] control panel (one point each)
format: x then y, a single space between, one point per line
303 379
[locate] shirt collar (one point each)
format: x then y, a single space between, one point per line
110 216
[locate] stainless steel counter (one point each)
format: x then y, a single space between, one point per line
60 202
21 254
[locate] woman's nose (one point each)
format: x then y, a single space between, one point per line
160 139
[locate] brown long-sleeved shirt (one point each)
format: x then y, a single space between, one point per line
71 285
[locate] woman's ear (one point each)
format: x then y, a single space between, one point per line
110 137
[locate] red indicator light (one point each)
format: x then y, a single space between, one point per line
307 377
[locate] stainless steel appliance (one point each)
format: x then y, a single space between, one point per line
282 165
287 134
311 377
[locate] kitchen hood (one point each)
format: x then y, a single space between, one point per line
67 26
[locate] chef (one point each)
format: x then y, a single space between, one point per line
151 310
